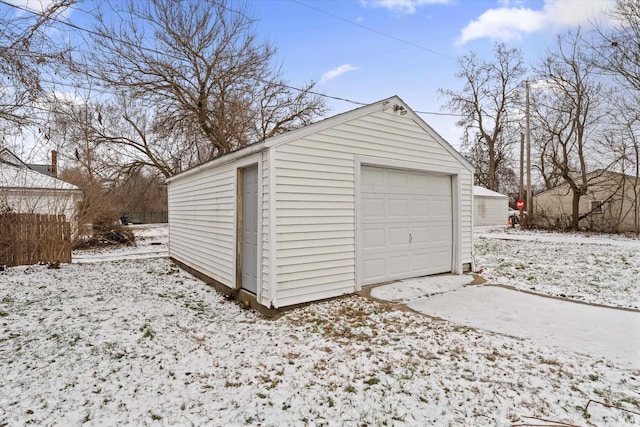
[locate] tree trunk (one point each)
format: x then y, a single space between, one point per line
493 184
575 214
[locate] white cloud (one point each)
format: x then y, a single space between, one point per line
332 74
35 5
508 3
511 23
404 6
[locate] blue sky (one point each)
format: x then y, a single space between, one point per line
368 50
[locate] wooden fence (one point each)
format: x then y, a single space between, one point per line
33 238
155 217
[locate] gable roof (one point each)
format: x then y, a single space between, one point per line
7 157
44 169
391 102
394 102
485 192
594 177
16 175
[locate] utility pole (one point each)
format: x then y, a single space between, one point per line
521 194
529 204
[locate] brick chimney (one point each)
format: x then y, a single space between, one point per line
54 163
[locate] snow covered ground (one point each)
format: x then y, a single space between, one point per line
151 242
601 269
597 331
139 341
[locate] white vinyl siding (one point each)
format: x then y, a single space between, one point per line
265 294
202 220
315 226
466 213
316 197
490 210
42 201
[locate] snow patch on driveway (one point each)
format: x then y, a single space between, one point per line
411 289
599 332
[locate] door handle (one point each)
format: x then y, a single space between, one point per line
410 238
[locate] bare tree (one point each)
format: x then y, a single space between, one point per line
616 53
624 142
568 110
487 99
194 82
618 50
26 53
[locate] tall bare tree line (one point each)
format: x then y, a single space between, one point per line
585 112
168 84
165 85
150 89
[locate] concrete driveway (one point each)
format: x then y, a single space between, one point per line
600 332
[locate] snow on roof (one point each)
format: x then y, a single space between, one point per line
16 177
6 156
485 192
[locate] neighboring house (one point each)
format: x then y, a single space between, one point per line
611 204
489 207
25 190
361 198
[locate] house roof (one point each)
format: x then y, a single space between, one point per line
15 175
45 169
594 177
324 124
7 157
485 192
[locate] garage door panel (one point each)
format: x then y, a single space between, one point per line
375 268
418 181
374 238
419 207
419 264
441 261
440 207
395 179
372 208
406 222
397 207
398 264
440 185
420 234
372 177
398 237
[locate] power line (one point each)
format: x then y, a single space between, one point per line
157 52
337 98
92 32
373 30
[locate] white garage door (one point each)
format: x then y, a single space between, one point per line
406 224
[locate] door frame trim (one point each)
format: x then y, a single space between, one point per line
454 173
237 241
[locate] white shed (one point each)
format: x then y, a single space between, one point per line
489 207
364 197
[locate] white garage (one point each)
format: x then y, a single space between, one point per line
365 197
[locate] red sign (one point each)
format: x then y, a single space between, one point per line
519 204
